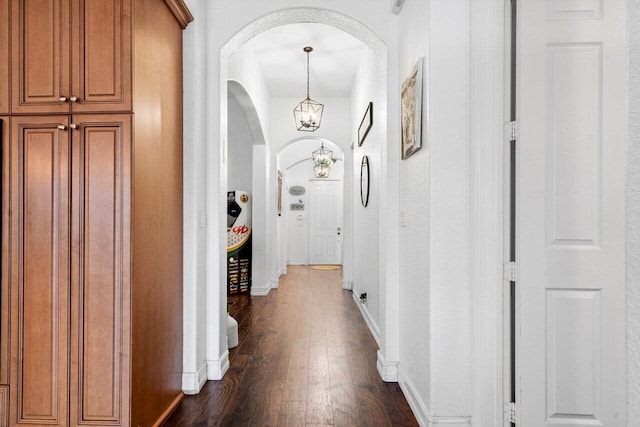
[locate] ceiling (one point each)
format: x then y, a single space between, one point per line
333 63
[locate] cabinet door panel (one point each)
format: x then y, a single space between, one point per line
40 56
101 73
4 56
4 259
100 272
40 272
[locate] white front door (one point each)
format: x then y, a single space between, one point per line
570 242
325 222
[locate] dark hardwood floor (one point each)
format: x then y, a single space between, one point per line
305 358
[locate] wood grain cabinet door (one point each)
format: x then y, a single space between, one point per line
39 260
40 56
5 19
100 270
101 55
4 259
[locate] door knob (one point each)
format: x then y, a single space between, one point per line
62 127
63 99
73 99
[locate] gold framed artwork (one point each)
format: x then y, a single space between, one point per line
411 111
279 193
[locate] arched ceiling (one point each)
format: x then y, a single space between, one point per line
333 63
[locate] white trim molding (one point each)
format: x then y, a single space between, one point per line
217 368
420 411
261 291
388 370
347 284
373 327
487 113
192 382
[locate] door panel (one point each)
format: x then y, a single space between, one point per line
4 261
40 271
100 285
325 222
101 55
570 212
5 19
40 56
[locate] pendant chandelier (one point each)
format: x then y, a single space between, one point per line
308 113
322 162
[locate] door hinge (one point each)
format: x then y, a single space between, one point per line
511 413
511 131
510 271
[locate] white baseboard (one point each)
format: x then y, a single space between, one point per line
275 282
282 272
347 284
217 368
192 382
375 331
388 370
420 410
297 263
261 291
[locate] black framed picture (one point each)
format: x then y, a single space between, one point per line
365 124
364 181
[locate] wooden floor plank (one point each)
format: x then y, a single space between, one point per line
305 358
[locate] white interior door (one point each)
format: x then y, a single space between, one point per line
325 222
570 242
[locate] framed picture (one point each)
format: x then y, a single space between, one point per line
365 124
364 181
411 109
279 193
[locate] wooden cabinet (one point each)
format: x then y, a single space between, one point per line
4 263
4 56
70 277
40 180
71 56
100 269
87 335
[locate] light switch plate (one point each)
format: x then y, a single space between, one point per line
403 217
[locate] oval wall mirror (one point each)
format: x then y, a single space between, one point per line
364 181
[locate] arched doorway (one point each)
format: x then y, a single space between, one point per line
293 238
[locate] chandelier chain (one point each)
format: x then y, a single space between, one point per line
307 75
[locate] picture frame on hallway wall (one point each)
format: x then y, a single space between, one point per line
279 193
411 111
365 124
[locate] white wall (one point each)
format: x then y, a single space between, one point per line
365 219
435 340
240 149
633 216
243 68
415 318
297 222
195 207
